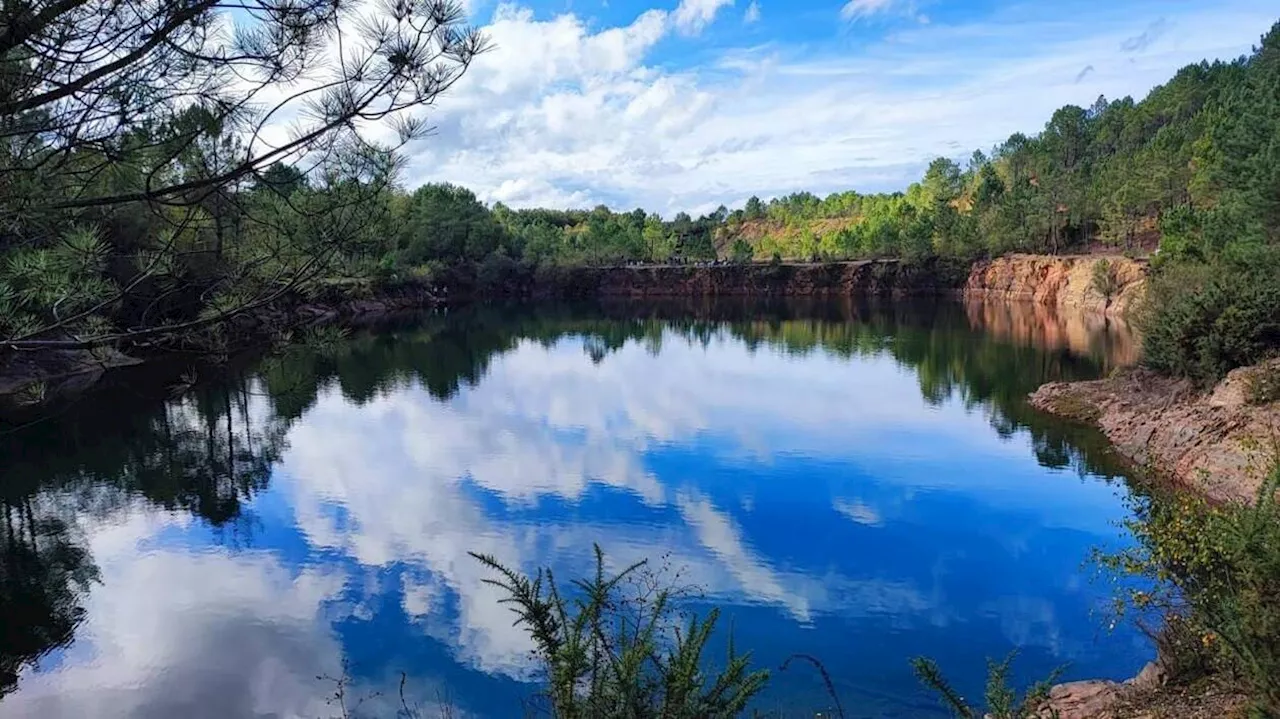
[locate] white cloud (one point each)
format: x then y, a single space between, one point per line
855 9
562 112
858 511
753 13
549 423
691 16
211 631
198 634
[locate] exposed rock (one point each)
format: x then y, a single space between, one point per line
1151 677
30 378
1216 443
1084 700
1066 282
828 279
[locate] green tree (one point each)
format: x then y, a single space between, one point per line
446 222
154 147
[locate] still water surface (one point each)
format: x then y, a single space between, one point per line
862 484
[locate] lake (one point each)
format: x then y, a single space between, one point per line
860 482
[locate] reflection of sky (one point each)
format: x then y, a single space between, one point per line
818 499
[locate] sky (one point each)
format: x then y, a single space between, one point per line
677 105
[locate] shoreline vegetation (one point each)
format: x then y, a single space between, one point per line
158 222
146 215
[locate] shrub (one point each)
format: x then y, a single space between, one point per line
741 251
1002 702
1263 384
496 273
1202 321
1104 279
608 652
617 648
1180 234
1183 648
1217 570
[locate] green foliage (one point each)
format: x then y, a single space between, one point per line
445 222
185 218
1103 279
1002 701
59 286
1203 320
1196 159
741 251
1180 235
1262 385
1217 573
607 652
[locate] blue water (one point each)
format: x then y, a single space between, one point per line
863 485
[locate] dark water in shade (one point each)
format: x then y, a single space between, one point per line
863 484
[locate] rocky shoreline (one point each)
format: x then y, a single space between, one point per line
1218 443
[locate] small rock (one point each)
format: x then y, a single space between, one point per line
1083 700
1151 677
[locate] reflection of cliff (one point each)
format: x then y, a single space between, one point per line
1049 327
992 359
828 279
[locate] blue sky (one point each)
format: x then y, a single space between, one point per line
687 104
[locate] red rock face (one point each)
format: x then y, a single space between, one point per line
1066 282
831 279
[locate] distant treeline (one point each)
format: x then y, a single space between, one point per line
142 205
1194 167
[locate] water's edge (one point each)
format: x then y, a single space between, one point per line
31 381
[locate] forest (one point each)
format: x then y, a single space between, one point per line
1190 169
149 199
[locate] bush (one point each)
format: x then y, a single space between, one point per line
611 652
741 251
1263 385
1104 279
1184 648
1002 702
1180 234
1202 321
496 274
1217 573
617 648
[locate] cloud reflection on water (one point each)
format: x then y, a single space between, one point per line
646 454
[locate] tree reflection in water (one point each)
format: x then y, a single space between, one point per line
210 451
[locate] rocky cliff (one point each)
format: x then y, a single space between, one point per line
831 279
1066 282
1219 443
